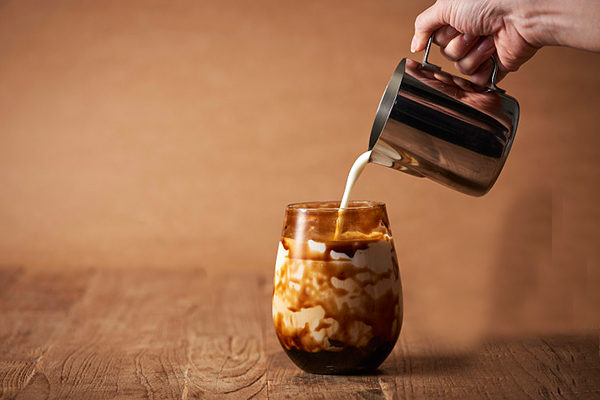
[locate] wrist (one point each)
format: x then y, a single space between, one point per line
572 23
536 21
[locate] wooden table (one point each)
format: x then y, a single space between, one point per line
108 333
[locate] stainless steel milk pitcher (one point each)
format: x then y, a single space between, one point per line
432 124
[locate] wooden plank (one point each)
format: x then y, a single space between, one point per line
126 338
8 276
228 357
426 369
156 334
288 382
40 291
549 367
181 334
530 367
554 366
33 308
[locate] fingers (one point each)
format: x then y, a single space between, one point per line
470 53
427 22
468 62
483 75
444 35
459 47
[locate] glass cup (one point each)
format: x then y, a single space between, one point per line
337 296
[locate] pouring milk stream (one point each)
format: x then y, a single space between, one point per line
357 169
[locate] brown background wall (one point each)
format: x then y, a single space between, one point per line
173 134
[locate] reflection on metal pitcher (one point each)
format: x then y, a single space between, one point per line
433 124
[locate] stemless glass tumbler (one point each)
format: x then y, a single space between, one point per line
337 297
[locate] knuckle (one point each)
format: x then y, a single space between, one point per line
449 54
420 22
419 19
465 67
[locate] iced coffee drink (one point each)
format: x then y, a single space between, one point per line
337 299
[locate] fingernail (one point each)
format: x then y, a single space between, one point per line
468 38
485 45
413 44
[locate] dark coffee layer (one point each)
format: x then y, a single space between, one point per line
350 360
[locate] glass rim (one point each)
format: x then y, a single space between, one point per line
308 206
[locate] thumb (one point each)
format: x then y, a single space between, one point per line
425 24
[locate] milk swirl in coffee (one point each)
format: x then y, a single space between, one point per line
337 299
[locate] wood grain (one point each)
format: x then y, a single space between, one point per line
183 334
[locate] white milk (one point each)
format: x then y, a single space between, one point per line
357 168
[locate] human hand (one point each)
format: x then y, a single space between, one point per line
470 32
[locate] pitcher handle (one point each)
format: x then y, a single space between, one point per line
494 75
493 86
